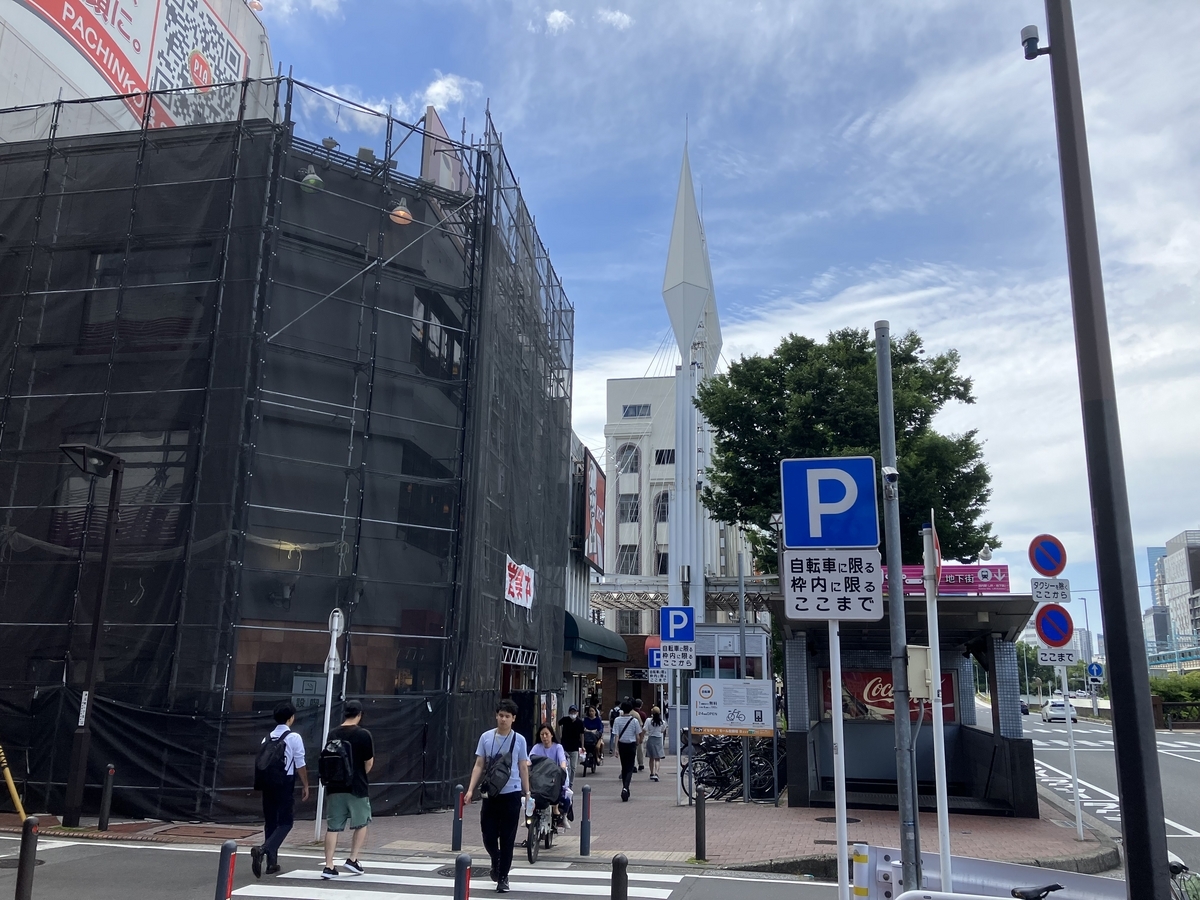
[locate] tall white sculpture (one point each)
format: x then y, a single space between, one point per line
692 307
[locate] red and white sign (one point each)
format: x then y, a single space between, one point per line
867 695
153 45
957 580
518 583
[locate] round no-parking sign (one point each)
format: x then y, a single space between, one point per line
1054 625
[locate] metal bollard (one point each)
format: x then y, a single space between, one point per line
106 797
27 860
456 832
462 877
620 877
1170 723
701 852
861 877
225 870
585 824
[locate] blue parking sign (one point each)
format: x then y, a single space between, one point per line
677 623
654 658
829 502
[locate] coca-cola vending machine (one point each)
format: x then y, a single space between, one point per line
867 695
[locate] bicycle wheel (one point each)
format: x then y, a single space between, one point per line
762 781
549 839
706 778
531 845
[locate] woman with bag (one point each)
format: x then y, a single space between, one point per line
501 773
628 731
656 727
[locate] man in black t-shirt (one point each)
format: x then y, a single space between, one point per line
348 804
570 735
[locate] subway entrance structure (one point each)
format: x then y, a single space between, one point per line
337 376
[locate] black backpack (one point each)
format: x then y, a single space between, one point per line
497 770
270 766
335 767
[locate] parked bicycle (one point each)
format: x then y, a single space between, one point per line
714 765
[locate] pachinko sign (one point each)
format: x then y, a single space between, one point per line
518 583
152 45
867 695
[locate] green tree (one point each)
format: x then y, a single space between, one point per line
809 398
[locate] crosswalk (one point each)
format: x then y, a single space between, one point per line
1095 742
429 880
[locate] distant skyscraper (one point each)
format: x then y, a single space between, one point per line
1181 582
1154 556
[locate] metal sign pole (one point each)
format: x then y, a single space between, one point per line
678 748
1071 751
839 759
333 665
939 727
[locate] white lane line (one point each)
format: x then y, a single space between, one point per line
1187 832
1088 743
1177 756
517 872
515 876
1064 743
315 893
1038 743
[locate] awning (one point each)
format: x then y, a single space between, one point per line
582 636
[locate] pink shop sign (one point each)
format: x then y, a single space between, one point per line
958 580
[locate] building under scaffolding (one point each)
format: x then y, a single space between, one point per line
336 380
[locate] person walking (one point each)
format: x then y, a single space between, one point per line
628 729
500 752
641 750
656 727
570 735
280 760
346 760
612 735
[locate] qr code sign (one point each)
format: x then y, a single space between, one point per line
194 49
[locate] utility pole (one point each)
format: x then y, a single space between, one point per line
906 800
1138 779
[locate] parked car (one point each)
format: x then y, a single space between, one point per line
1024 708
1055 711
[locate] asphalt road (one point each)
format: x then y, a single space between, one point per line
1178 760
105 870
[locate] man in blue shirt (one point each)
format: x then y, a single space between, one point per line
501 815
279 801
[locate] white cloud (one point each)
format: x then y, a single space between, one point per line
557 20
450 90
615 18
289 8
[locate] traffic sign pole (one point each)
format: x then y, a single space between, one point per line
839 759
939 726
1067 707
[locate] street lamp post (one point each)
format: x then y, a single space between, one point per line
99 464
1140 786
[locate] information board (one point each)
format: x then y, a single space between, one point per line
741 707
832 584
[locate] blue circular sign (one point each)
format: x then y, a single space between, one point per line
1048 555
1095 670
1054 625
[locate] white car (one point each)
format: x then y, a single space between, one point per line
1055 711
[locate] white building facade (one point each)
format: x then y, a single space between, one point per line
1181 583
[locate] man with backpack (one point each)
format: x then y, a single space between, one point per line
280 759
346 759
501 773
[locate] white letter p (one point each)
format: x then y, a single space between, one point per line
816 508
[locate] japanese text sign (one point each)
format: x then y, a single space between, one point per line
743 707
518 583
832 584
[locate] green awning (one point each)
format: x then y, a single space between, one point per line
582 636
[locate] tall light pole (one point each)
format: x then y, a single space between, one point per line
99 464
1140 787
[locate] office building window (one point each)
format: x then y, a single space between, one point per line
628 460
664 457
629 508
661 563
635 411
629 559
629 621
662 507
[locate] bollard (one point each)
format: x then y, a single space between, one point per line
456 832
106 797
462 877
585 825
225 870
861 877
1170 723
27 861
620 877
701 853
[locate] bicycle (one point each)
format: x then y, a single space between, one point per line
714 766
540 826
1185 885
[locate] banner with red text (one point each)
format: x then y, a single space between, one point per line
867 695
518 583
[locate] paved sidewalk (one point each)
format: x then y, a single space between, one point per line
650 827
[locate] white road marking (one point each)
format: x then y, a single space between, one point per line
1187 832
515 876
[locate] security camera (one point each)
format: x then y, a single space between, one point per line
1029 38
890 475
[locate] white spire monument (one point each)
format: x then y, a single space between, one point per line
692 307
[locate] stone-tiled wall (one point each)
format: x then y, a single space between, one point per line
795 654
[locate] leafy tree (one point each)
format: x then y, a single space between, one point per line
809 398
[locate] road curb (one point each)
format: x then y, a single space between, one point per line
1103 859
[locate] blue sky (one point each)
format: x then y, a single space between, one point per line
858 161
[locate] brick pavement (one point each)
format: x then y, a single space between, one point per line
651 827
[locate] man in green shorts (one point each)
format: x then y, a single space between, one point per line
348 803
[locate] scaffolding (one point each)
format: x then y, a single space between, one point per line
337 380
